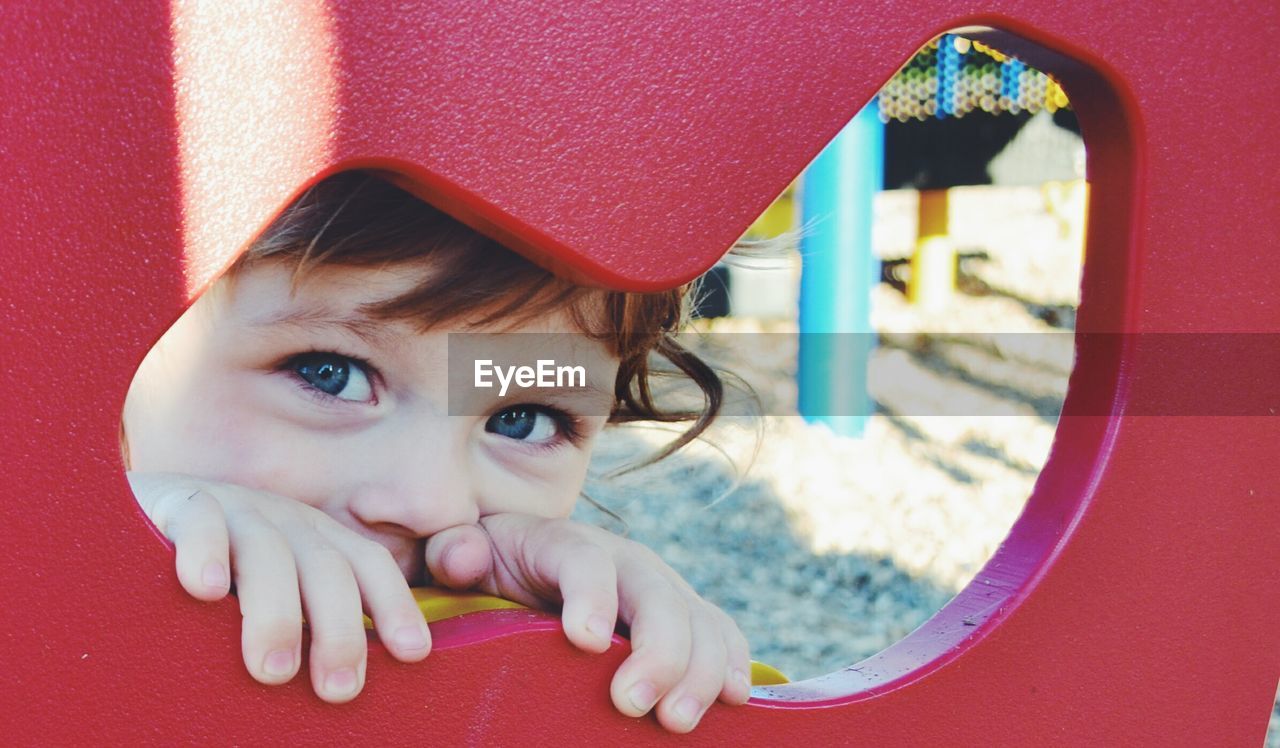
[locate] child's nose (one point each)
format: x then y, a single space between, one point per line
420 492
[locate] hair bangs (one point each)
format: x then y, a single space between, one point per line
360 220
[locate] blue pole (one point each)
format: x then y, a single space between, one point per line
838 272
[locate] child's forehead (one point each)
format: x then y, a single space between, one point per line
274 294
270 289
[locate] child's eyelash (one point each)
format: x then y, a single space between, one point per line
570 427
318 351
289 365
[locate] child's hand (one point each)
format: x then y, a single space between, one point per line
286 557
686 653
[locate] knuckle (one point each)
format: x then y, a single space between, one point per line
313 519
564 525
251 525
705 685
670 671
662 612
635 553
279 629
718 650
377 553
589 556
566 530
677 606
664 666
705 678
709 638
643 563
737 640
323 557
341 641
265 545
170 512
554 532
725 623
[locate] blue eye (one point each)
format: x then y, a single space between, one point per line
528 423
334 375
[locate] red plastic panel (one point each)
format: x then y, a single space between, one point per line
1135 601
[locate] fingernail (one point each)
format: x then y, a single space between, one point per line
214 575
341 682
741 679
410 637
642 696
599 627
278 663
688 710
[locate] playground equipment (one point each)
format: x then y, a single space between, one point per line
953 75
932 281
838 271
1135 601
949 77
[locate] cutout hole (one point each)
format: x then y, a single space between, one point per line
832 537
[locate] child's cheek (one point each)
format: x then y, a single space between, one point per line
234 442
268 461
543 486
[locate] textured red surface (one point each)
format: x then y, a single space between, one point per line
1136 600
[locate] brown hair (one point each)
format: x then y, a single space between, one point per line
357 219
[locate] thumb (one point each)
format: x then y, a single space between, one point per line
459 557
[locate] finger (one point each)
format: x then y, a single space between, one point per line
660 640
682 708
737 685
588 584
459 557
331 599
199 533
386 595
560 561
267 586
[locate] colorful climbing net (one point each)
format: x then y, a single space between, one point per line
952 76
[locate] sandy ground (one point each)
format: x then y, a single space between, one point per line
827 549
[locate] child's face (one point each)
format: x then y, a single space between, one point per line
302 395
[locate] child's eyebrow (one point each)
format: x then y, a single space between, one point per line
375 332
